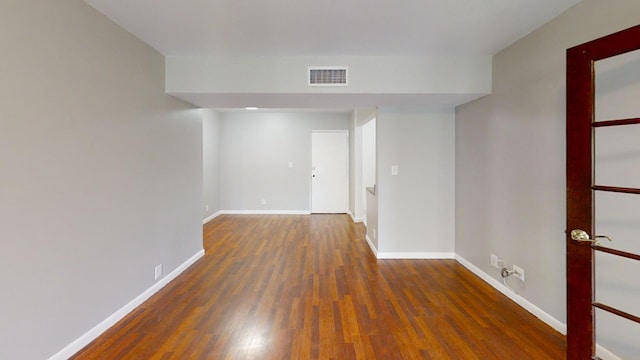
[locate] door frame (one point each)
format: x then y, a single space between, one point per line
580 177
348 179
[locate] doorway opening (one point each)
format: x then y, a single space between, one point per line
368 163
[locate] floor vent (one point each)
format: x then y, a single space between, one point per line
328 76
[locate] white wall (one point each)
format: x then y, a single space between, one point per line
416 207
255 150
101 173
211 162
510 156
281 81
288 75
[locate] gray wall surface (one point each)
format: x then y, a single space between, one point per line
100 173
372 219
255 149
416 207
355 162
210 162
510 156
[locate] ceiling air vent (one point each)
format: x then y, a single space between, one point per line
328 76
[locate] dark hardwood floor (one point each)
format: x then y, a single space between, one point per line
308 287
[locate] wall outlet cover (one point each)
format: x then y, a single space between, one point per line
519 272
158 272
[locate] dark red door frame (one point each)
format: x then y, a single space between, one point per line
580 186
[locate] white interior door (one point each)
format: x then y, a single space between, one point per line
329 172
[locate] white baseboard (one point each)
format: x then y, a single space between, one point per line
416 255
530 307
355 219
211 217
265 212
371 246
605 354
85 339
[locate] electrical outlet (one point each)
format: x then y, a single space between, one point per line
158 272
374 233
494 260
519 272
206 208
263 202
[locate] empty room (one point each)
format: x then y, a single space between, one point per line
207 179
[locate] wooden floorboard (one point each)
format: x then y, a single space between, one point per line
308 287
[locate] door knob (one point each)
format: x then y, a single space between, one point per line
581 235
